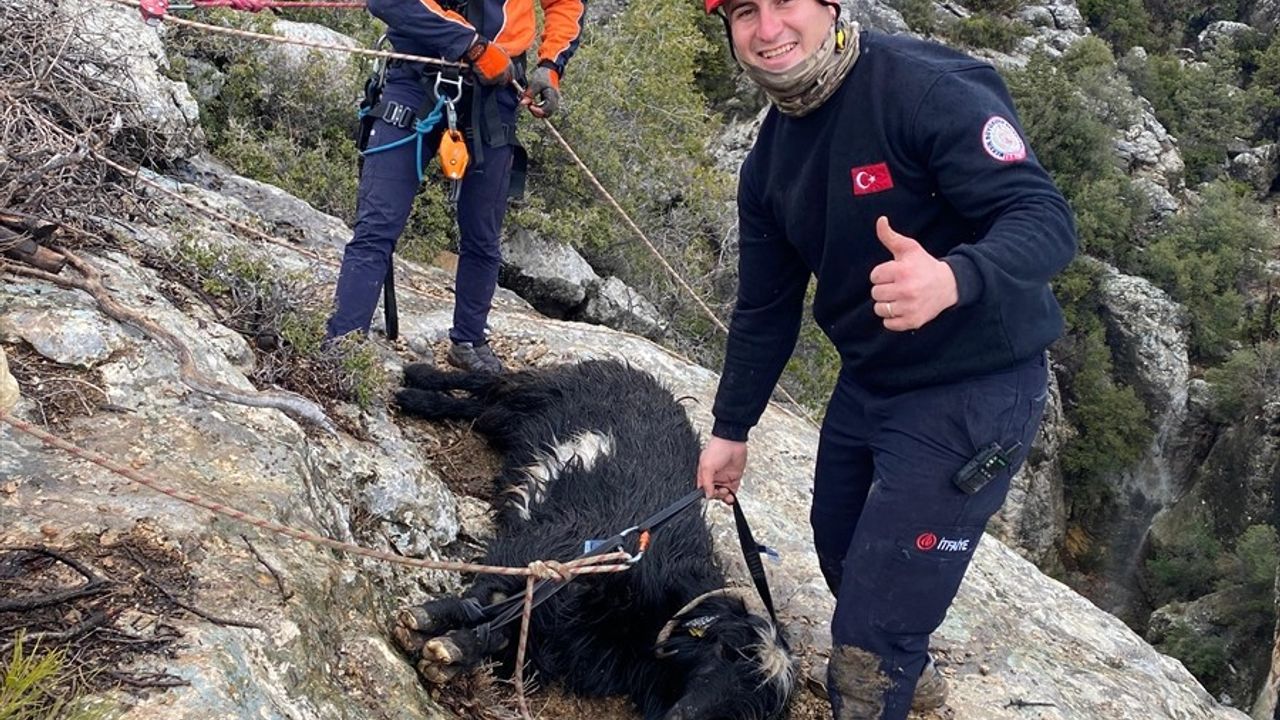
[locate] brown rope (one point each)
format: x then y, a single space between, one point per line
223 30
588 565
595 182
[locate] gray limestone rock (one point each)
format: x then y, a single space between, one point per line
1257 167
552 276
615 304
161 112
9 394
1148 332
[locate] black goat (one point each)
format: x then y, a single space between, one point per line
589 450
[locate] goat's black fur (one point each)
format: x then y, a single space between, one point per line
597 635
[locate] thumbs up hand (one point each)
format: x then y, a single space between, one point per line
913 287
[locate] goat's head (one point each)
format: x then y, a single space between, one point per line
735 663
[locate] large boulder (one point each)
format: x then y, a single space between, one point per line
552 276
1257 167
1148 333
130 61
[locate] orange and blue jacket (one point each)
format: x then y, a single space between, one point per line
438 28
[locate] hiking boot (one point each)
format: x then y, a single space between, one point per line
474 357
931 689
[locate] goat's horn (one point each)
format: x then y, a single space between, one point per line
747 595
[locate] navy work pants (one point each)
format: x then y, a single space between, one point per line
388 185
894 535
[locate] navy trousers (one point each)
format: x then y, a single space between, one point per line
894 535
388 185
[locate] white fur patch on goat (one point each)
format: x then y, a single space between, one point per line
775 662
586 448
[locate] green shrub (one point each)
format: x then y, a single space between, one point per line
1121 23
1112 425
1252 566
1187 566
1205 656
1241 385
1067 138
37 685
1204 257
989 31
996 7
1263 89
920 15
639 120
1195 104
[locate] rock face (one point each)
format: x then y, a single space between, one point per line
1012 635
1148 333
1257 167
9 394
133 62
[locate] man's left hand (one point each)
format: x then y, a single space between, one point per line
913 287
542 97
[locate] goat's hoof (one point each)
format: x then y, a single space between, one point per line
440 660
410 641
442 650
414 618
437 674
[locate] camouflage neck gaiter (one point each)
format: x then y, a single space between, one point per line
802 89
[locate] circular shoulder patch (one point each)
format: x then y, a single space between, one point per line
1001 140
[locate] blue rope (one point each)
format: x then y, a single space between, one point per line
421 129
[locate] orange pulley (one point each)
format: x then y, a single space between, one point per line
453 154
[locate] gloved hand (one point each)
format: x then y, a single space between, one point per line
153 10
248 5
489 63
542 97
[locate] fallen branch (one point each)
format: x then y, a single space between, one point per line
291 403
93 583
284 594
197 611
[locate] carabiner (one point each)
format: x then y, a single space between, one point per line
455 82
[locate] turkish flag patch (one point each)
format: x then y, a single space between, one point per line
869 179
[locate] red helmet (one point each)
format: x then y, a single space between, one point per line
711 5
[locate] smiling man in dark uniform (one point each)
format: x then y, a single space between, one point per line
895 172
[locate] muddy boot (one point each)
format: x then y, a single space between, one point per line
474 357
931 689
855 684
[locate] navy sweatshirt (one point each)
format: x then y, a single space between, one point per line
927 137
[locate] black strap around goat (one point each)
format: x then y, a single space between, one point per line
503 612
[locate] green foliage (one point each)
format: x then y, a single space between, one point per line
639 120
1205 656
1263 89
1241 385
1204 258
1112 424
1068 139
1195 104
1252 566
989 31
920 15
1187 566
1175 23
1122 23
996 7
815 365
284 317
36 685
